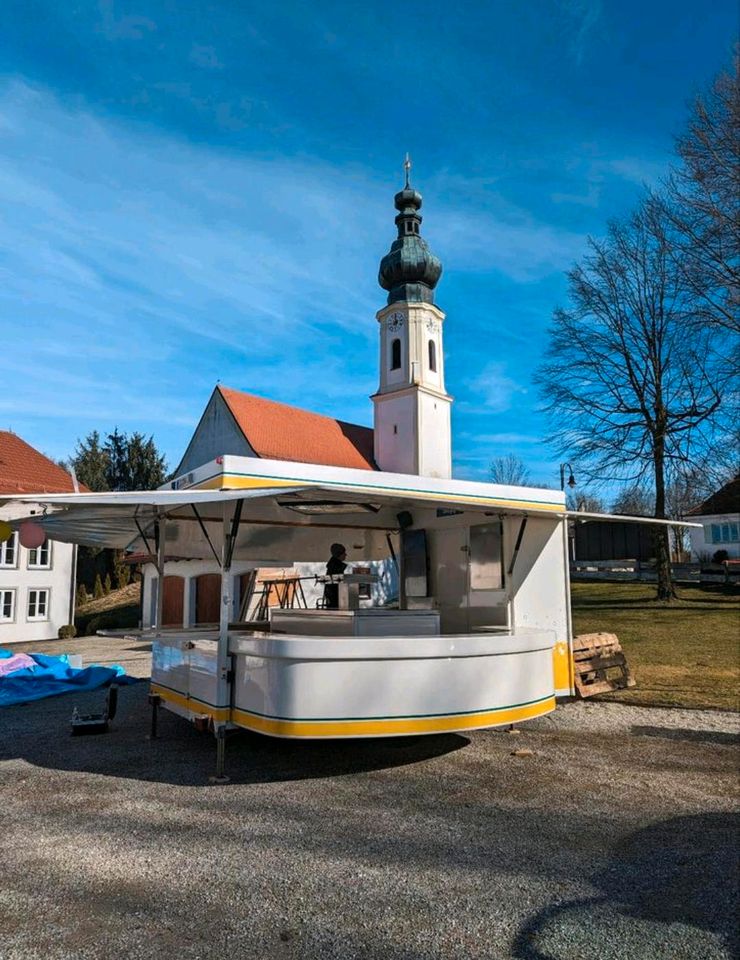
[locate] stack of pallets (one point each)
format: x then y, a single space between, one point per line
600 664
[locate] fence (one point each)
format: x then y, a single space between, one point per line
643 571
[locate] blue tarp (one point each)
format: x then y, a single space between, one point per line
52 676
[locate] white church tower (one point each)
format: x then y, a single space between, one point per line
412 408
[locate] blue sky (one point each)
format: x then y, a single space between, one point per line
193 192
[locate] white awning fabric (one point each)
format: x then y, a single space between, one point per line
268 524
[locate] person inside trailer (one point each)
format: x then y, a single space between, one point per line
336 565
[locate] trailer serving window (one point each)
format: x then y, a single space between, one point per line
486 559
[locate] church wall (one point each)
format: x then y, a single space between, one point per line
396 433
216 435
435 458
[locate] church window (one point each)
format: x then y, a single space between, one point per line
432 356
396 354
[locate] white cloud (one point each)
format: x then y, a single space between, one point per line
205 56
494 389
580 19
133 258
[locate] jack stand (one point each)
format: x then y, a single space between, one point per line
155 701
513 731
220 776
96 722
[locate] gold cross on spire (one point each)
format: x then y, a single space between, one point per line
407 168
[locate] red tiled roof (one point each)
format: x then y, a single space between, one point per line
277 431
725 500
25 470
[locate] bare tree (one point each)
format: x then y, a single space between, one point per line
636 501
629 392
584 502
702 202
510 470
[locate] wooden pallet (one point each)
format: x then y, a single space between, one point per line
600 664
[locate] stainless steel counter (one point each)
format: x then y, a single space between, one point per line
365 622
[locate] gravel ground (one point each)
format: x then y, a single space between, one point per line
616 839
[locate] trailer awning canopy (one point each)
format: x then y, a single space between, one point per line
289 511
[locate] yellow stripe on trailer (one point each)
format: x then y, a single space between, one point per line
389 726
221 714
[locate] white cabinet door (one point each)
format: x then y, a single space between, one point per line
448 560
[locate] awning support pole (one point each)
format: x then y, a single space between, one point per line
159 540
143 535
394 558
518 544
234 532
230 527
205 533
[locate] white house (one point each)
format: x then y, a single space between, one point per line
37 587
719 516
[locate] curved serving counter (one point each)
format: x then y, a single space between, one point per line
333 687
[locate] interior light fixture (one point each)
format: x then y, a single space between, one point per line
322 507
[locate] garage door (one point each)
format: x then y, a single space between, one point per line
172 601
208 598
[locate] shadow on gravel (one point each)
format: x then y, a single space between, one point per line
680 733
39 733
682 870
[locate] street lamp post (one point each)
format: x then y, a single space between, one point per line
571 478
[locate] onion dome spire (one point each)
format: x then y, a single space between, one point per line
409 271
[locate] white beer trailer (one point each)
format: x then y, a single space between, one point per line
481 635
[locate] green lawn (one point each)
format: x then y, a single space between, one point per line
684 654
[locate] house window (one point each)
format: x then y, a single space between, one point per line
38 605
396 354
9 551
39 558
432 356
7 606
725 532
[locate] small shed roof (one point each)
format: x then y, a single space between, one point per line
725 500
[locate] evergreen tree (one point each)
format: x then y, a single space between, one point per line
117 472
98 591
90 462
82 597
107 585
121 570
121 463
146 468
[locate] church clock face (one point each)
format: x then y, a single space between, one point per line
395 321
